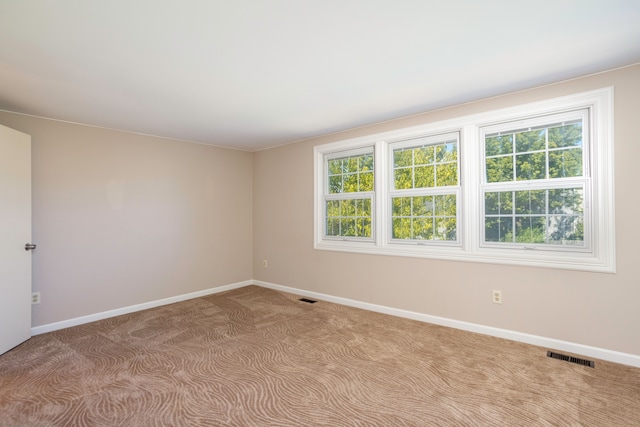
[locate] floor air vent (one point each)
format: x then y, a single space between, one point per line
307 300
584 362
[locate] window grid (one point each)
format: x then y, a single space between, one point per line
425 190
424 218
348 217
348 198
525 150
350 174
547 152
508 224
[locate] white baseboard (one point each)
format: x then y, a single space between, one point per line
37 330
551 343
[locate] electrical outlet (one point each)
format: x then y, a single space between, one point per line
497 296
264 263
35 298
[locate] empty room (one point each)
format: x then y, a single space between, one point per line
305 213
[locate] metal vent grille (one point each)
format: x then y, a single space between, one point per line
307 300
577 360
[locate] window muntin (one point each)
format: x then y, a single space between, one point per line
425 189
348 200
535 183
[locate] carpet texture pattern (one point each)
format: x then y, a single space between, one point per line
257 357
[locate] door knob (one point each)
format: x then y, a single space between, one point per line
29 247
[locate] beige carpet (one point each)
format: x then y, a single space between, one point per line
256 357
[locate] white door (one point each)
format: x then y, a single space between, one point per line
15 232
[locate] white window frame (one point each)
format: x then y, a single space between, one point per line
599 198
351 195
456 190
583 181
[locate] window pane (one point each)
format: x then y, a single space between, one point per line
421 206
401 228
500 169
566 201
424 176
496 145
335 167
350 184
498 203
363 227
423 229
491 203
366 162
566 230
446 174
530 166
352 164
452 149
445 205
402 158
366 181
530 202
347 208
335 184
499 229
530 229
402 179
401 206
363 208
445 229
446 152
348 227
531 141
333 227
333 208
423 155
566 136
565 163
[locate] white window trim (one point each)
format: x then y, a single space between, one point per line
601 166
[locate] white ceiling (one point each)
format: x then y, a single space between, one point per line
252 74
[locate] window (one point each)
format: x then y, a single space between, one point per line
535 182
425 189
529 185
348 198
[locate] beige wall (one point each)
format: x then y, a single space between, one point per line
122 219
594 309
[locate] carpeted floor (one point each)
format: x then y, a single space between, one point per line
257 357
